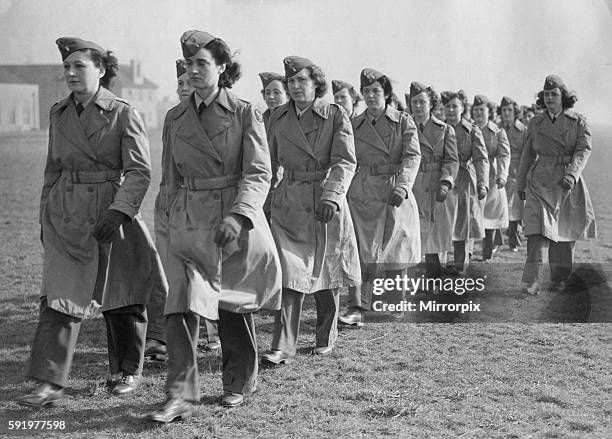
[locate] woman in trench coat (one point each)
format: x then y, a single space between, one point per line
311 142
498 149
558 209
383 207
346 96
97 251
435 179
472 179
221 261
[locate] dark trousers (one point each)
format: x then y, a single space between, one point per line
433 269
514 238
287 326
212 330
560 258
155 312
360 296
56 336
493 237
459 256
239 351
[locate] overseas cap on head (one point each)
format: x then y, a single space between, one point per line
507 101
294 64
268 77
194 40
68 45
370 76
417 88
554 81
338 85
180 68
480 100
448 96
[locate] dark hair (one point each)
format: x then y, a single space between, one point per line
318 77
568 99
518 112
460 95
109 62
387 87
223 55
434 99
398 104
282 81
492 110
355 96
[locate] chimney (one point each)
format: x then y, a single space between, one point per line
136 72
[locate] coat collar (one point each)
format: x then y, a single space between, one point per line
104 99
365 132
225 98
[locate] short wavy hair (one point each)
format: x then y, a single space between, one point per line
223 55
110 63
434 99
518 112
355 95
461 96
568 99
492 110
318 77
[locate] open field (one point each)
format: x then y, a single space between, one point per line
402 376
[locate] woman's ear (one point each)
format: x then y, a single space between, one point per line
102 70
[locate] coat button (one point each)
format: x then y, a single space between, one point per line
216 196
90 188
68 188
66 220
179 165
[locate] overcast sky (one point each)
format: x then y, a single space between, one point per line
488 47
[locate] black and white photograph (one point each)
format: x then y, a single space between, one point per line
306 219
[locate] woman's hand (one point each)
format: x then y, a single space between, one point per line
567 182
108 224
482 192
397 197
442 192
229 229
326 211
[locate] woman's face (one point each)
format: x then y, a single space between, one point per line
553 100
345 100
507 114
480 114
528 116
184 88
439 112
203 70
453 110
81 74
302 88
274 94
374 96
420 105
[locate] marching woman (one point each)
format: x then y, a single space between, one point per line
384 211
97 250
558 208
346 96
274 93
472 178
498 149
221 260
509 111
313 143
435 179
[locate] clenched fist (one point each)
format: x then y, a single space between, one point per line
228 230
325 211
482 192
567 182
398 195
108 224
442 192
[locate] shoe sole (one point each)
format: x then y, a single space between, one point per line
180 417
345 323
231 406
272 363
157 357
50 404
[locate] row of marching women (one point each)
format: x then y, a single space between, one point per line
258 211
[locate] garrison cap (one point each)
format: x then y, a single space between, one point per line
448 96
507 101
268 77
417 88
338 85
294 64
180 68
69 45
194 40
370 76
554 81
480 100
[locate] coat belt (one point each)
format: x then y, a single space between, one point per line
382 168
202 184
427 167
560 159
92 177
293 175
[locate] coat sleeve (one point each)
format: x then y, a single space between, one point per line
450 160
503 155
256 175
136 160
528 156
411 155
342 161
480 157
51 174
583 150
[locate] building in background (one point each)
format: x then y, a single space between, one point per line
130 84
18 104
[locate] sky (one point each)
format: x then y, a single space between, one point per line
490 47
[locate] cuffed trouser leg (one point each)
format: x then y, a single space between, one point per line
126 330
487 244
182 330
156 328
287 328
561 259
537 246
459 255
212 330
328 304
239 347
433 268
360 296
53 345
514 238
498 238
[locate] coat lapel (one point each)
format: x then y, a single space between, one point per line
365 132
95 119
291 130
71 129
190 130
548 129
424 136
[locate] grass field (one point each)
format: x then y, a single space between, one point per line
402 376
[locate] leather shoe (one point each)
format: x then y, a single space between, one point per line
155 350
534 288
558 287
174 409
212 346
276 357
231 399
127 384
354 317
45 395
322 350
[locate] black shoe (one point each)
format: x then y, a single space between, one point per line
127 384
212 346
276 357
354 317
45 395
534 288
231 399
155 350
322 350
174 409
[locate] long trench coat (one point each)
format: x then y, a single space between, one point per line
388 157
96 162
473 172
516 136
439 162
316 157
218 169
163 200
496 203
550 152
